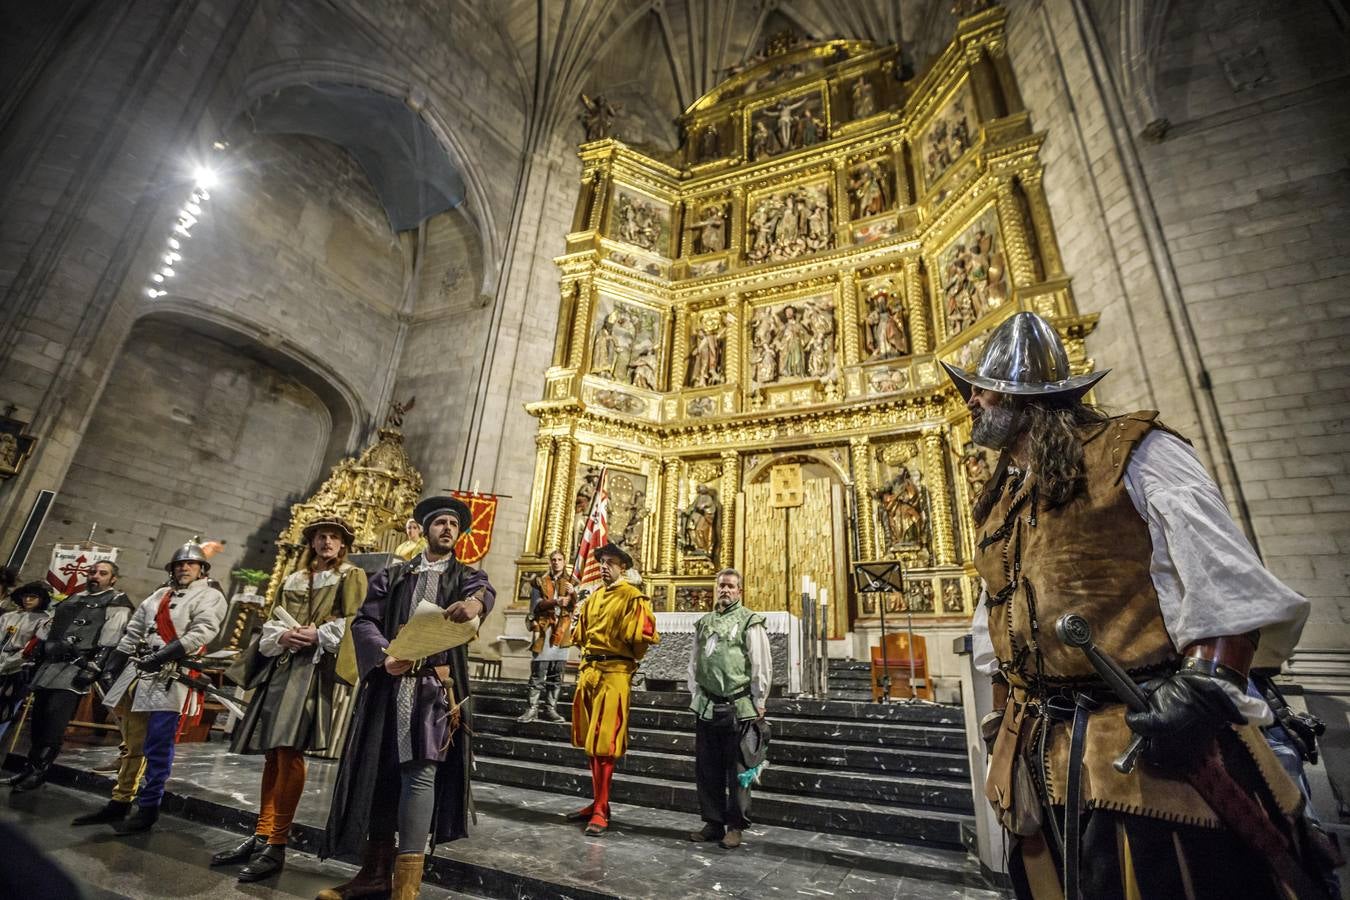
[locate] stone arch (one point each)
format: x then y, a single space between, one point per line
349 417
274 77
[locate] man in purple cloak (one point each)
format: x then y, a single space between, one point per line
405 768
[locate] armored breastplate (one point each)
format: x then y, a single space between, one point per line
79 619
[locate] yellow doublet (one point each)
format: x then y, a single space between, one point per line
616 621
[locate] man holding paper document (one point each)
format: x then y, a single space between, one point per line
304 652
406 766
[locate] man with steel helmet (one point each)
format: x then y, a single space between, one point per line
1116 520
174 622
301 657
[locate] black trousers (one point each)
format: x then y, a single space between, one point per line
51 713
717 761
1160 860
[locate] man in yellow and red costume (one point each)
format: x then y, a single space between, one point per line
614 627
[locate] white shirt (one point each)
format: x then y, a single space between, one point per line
1208 578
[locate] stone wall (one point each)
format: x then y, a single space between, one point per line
191 436
1216 256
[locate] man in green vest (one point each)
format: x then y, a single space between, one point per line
730 671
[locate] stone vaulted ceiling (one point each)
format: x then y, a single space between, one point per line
656 57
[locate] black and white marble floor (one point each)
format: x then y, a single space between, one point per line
522 847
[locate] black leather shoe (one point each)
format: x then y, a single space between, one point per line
143 819
251 847
115 811
266 864
31 782
23 773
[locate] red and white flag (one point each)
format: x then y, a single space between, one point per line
596 534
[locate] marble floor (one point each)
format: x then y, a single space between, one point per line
169 862
522 847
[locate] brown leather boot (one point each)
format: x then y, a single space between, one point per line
376 877
407 876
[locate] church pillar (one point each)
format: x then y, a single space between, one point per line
731 481
1020 263
919 338
559 507
935 466
670 495
539 495
860 449
848 308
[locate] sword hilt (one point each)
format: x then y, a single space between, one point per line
1074 631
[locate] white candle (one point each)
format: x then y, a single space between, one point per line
824 596
806 584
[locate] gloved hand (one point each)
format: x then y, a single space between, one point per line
1184 714
163 656
59 651
83 679
112 666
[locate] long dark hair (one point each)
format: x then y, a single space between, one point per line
1054 449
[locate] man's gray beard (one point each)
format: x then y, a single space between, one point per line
994 429
723 604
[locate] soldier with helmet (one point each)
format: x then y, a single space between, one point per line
75 645
304 652
1116 520
19 630
175 622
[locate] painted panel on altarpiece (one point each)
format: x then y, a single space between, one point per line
948 136
789 124
793 341
641 221
691 598
789 223
626 344
974 274
627 508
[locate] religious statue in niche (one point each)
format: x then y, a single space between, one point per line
626 346
869 189
884 325
627 510
709 143
863 97
974 465
793 341
948 137
710 230
705 353
902 502
888 381
701 523
952 602
789 224
597 116
974 275
787 125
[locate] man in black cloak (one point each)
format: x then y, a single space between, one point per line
404 767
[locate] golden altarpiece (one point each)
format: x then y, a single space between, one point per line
775 297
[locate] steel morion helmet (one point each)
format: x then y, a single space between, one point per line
189 552
1026 358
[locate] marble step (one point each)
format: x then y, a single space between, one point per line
850 695
849 665
889 760
778 778
918 713
889 823
872 733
